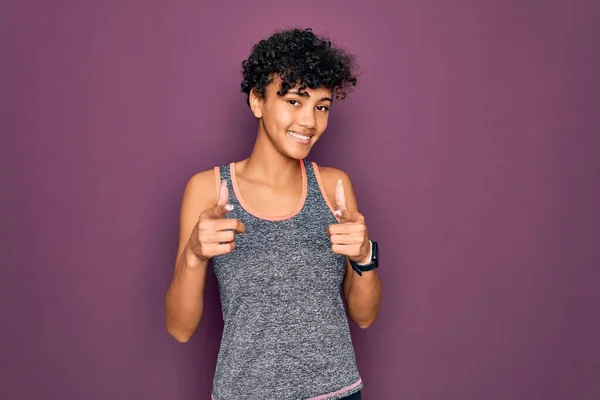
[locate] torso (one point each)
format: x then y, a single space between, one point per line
286 333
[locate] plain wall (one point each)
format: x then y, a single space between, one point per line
472 140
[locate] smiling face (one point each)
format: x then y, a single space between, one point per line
292 122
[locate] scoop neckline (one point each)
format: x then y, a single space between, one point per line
262 216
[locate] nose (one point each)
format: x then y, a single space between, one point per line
307 118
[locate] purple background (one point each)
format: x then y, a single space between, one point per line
472 140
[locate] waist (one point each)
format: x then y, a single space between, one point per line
351 391
293 380
291 356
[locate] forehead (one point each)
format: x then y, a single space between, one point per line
318 93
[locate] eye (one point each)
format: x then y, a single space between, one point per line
323 108
293 102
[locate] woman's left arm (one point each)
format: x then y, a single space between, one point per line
351 238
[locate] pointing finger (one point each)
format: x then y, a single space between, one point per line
340 198
222 207
223 198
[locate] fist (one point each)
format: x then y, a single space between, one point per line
349 237
214 235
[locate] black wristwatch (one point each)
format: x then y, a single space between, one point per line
374 263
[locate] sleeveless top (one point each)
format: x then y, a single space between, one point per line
286 334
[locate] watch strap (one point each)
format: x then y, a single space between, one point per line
360 268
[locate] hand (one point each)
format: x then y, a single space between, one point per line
349 237
214 235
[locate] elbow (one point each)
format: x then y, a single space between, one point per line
181 337
177 332
179 327
365 321
364 324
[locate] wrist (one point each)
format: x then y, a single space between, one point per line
191 260
366 260
372 263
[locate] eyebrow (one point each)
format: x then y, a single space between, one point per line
306 94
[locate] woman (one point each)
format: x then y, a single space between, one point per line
285 238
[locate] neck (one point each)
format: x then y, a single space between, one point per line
267 164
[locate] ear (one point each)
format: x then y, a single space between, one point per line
256 102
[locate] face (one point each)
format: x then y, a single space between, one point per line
295 121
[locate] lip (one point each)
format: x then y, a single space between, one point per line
298 140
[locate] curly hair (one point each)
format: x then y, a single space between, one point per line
301 58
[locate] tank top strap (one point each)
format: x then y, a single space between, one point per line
316 189
316 195
223 173
311 178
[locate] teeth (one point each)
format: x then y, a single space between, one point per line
299 136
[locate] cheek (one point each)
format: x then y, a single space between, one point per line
280 117
285 116
323 122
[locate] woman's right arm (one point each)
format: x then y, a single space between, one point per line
203 234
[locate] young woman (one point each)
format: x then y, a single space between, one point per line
284 236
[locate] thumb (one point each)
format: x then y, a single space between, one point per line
340 198
223 197
222 207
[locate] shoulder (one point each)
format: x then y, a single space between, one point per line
203 180
329 177
200 193
201 189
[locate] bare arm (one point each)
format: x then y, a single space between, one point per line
184 299
362 293
203 234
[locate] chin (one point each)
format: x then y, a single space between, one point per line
297 153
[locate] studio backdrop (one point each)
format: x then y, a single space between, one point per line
472 139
